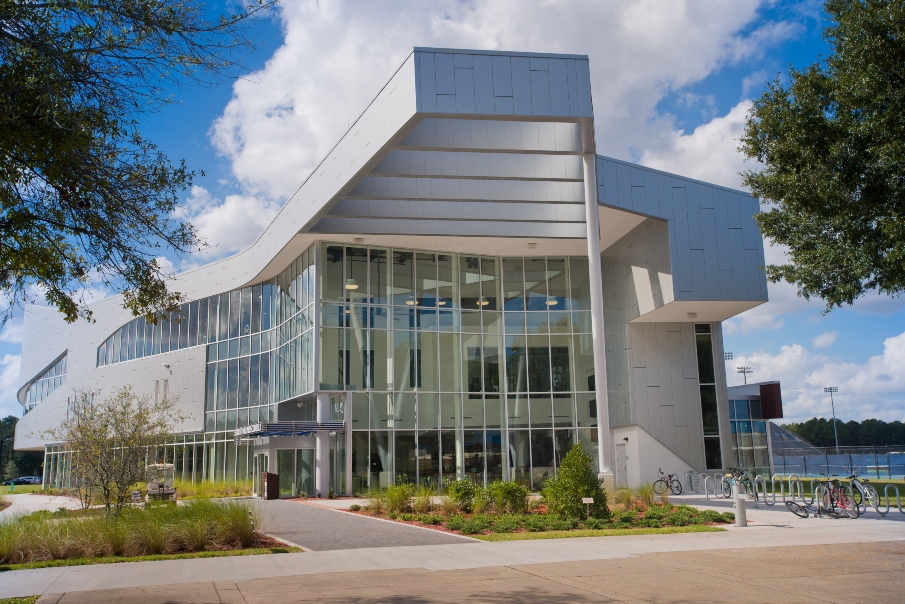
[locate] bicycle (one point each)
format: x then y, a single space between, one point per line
668 482
833 496
864 492
738 476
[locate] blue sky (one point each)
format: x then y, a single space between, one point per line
672 82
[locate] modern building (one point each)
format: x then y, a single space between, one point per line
462 287
751 407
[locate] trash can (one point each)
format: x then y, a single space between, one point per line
270 485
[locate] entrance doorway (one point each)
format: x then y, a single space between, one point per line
296 470
260 465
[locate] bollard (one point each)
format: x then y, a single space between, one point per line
741 514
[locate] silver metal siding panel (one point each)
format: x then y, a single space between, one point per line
572 83
465 95
427 79
585 107
521 86
540 92
483 87
444 66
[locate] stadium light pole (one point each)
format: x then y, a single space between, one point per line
744 371
831 390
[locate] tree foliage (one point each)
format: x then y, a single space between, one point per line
870 432
574 480
29 462
832 145
84 197
111 440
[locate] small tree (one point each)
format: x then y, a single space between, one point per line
574 480
11 470
109 441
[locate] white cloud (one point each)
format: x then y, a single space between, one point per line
228 226
825 340
874 389
336 56
710 153
13 331
9 384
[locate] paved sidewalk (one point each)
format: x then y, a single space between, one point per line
26 503
867 573
316 528
790 531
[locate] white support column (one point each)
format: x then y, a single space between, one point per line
322 448
604 436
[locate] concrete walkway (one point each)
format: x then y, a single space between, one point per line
26 503
866 573
316 528
777 529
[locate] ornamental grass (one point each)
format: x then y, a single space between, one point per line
199 525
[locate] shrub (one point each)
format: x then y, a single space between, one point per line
535 523
508 497
422 503
481 500
478 524
728 517
680 518
506 524
561 524
650 522
706 516
398 498
406 517
658 512
354 507
455 523
627 517
212 489
597 523
620 525
463 493
575 480
430 518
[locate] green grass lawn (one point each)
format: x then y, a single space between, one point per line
25 600
19 489
253 551
667 530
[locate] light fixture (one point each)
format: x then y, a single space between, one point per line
358 239
482 301
551 301
532 246
410 301
441 303
691 315
348 311
351 284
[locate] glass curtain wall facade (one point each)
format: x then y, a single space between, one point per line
48 381
707 381
457 365
748 435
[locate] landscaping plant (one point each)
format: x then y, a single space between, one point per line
463 493
575 480
508 497
163 529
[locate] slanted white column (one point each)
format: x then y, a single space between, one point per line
322 448
604 436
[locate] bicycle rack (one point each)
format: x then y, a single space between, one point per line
886 495
800 488
716 479
694 481
763 482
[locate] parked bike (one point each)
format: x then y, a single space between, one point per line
668 482
738 476
829 497
864 492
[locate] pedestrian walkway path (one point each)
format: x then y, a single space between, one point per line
789 531
316 528
26 503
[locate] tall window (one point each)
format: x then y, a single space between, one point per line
707 381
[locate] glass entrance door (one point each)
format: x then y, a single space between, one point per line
296 470
260 465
